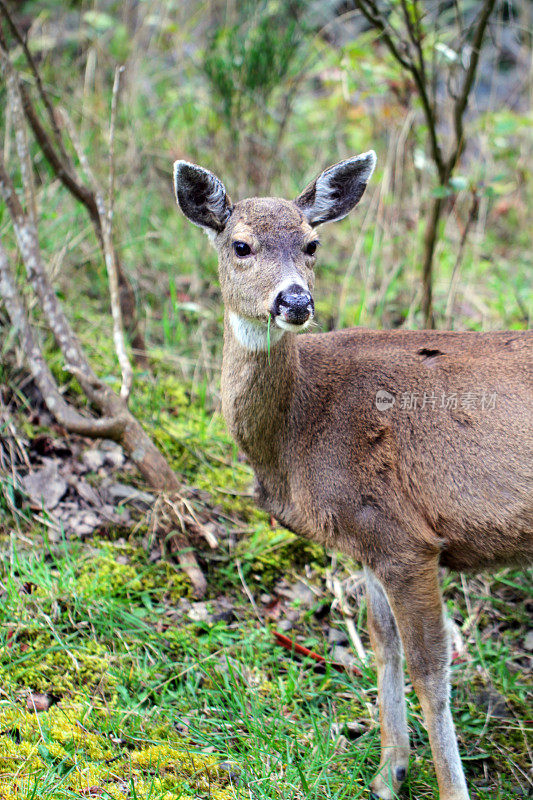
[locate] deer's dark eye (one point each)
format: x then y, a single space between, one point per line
310 250
241 249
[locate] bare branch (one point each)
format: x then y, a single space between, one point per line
415 33
408 23
119 424
62 170
118 326
462 99
371 12
27 237
436 152
420 77
116 421
108 427
21 139
33 66
106 217
62 166
458 14
27 240
114 105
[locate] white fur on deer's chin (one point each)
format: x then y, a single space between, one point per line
254 334
288 326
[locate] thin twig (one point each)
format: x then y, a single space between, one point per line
63 169
294 647
472 215
111 265
335 586
458 14
248 592
416 35
370 11
462 99
112 274
27 237
17 33
114 106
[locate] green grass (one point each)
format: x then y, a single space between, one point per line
163 705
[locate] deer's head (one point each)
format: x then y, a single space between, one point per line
266 245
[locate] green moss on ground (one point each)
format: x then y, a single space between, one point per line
73 746
125 571
269 554
38 660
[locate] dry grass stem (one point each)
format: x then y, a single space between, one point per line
335 587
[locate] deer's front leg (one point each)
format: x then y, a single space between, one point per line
417 606
387 649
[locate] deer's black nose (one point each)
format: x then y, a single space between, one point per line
294 305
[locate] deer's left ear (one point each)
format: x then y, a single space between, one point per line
337 190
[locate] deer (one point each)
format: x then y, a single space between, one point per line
409 450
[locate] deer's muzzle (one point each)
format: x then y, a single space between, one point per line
293 305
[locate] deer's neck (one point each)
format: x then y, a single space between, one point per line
258 384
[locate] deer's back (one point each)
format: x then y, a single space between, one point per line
417 425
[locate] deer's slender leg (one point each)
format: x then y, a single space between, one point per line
387 649
417 606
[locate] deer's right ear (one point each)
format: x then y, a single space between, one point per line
201 196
